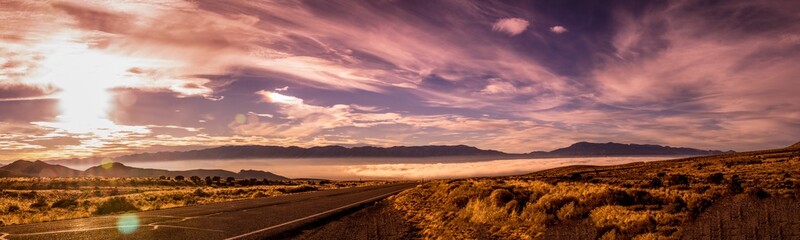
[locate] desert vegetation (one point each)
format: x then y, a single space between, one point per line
655 200
30 200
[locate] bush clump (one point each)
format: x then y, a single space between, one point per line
655 183
500 197
40 203
200 193
12 209
678 179
298 189
115 205
715 178
65 203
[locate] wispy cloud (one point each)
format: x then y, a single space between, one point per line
395 73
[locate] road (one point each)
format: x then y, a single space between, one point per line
244 219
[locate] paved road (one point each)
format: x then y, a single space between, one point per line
245 219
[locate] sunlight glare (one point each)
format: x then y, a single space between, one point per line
85 77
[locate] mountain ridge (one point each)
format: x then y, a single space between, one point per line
579 149
584 149
23 168
257 151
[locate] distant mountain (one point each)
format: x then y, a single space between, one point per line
251 151
37 169
260 175
22 168
584 149
461 152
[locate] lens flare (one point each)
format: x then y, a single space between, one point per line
240 118
127 223
106 163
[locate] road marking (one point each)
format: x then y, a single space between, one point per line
4 235
312 216
155 227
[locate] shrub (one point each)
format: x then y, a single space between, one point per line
626 221
655 183
114 192
715 178
512 206
676 205
65 203
570 212
40 203
575 177
735 185
611 235
301 188
259 194
459 201
678 179
200 193
500 197
479 211
759 193
12 209
114 205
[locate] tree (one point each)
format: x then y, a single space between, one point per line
230 179
215 179
195 179
209 181
179 178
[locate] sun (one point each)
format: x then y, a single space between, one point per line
84 77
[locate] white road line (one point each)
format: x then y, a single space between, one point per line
155 227
310 217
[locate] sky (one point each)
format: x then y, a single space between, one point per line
110 77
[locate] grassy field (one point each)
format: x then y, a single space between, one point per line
31 200
654 200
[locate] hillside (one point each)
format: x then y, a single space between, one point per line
795 146
22 168
37 169
619 149
748 195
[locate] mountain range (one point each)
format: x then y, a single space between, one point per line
22 168
580 149
587 149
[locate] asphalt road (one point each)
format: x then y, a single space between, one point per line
245 219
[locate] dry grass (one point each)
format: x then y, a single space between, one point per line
634 201
31 200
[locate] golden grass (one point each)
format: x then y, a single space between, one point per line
633 201
31 200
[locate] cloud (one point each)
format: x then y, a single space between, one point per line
660 73
478 169
510 26
558 29
356 124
